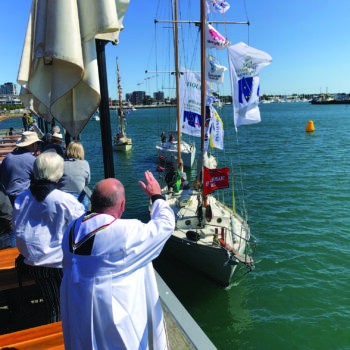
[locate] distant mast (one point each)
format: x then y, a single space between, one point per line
203 82
177 75
121 112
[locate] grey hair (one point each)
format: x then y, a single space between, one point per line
48 166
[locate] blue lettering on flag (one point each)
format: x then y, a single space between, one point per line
245 88
193 119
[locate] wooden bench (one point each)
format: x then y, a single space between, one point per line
47 337
8 273
9 139
8 145
6 151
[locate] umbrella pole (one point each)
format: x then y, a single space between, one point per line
105 120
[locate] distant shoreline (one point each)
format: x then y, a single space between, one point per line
10 116
113 108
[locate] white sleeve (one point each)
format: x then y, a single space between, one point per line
145 241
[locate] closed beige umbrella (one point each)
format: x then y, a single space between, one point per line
58 70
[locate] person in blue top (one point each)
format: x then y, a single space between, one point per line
16 170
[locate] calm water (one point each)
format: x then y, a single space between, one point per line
297 196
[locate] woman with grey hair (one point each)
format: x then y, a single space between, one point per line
41 215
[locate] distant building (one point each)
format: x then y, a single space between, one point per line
13 101
158 96
138 97
8 89
128 97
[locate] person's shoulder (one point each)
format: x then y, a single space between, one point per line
22 197
67 201
82 162
64 197
129 224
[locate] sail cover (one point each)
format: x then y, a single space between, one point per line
58 70
245 65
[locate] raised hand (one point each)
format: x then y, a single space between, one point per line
152 186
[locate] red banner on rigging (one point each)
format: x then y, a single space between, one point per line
214 179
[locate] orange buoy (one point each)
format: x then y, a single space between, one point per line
310 126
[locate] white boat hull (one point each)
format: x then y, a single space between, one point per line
123 144
211 257
168 150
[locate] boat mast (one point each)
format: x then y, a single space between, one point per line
121 113
203 82
177 74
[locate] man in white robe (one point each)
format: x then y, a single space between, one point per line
109 294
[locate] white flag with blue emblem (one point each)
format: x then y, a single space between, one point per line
217 6
214 71
245 65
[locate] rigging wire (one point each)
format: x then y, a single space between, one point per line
241 196
247 17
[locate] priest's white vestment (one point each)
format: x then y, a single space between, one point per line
109 294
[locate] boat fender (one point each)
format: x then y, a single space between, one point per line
224 244
199 213
160 168
208 213
193 236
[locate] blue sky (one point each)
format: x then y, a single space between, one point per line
309 42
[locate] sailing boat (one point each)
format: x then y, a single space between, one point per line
209 236
121 142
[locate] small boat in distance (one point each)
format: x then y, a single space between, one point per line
331 100
168 150
121 142
95 117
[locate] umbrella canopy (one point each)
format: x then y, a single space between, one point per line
58 70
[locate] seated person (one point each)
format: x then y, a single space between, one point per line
196 185
76 172
54 130
16 169
6 225
54 144
171 138
184 183
170 178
